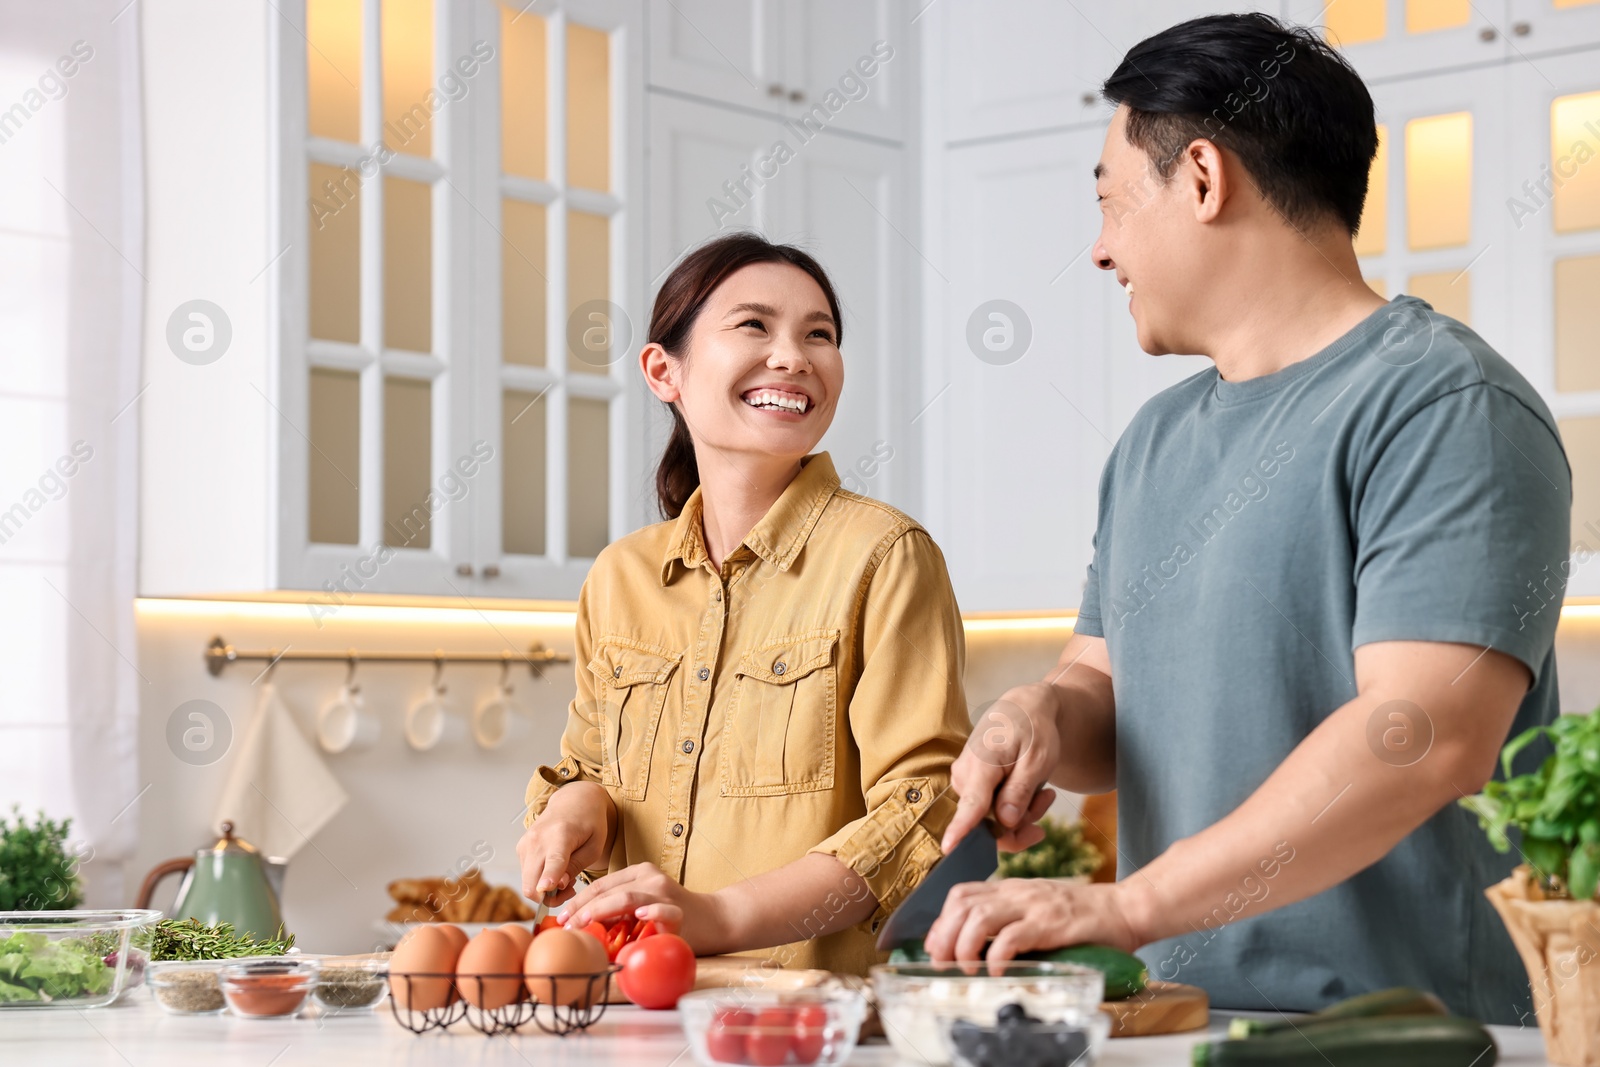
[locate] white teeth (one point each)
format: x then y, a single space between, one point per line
767 398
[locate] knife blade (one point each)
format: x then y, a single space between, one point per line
974 859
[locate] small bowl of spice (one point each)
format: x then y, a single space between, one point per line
268 990
350 986
186 987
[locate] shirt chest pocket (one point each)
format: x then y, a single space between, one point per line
779 733
631 682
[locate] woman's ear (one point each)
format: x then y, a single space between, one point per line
660 372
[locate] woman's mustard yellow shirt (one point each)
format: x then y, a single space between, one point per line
805 698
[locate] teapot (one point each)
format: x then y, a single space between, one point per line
230 882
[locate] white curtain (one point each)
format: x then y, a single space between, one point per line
71 289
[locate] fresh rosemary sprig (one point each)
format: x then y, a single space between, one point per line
191 939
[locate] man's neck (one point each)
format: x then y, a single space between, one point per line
1312 296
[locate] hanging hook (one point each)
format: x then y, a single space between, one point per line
350 672
438 672
505 674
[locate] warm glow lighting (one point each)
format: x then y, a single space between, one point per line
298 611
1018 624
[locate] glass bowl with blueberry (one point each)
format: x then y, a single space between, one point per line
920 1003
1014 1038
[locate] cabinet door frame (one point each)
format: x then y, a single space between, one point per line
1535 247
1551 28
337 569
559 574
1400 54
752 80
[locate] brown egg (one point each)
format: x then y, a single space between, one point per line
426 950
492 952
564 952
457 935
521 935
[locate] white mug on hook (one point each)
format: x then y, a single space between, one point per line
345 725
430 722
497 720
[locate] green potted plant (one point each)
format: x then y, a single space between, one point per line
1549 903
37 872
1062 854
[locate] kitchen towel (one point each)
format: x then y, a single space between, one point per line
279 792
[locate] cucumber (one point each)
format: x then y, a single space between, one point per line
1398 1001
1392 1041
1125 974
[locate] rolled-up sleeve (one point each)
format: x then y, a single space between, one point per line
580 740
908 718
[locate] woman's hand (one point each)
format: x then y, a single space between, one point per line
644 891
571 836
1022 914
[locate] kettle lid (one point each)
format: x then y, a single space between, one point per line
230 843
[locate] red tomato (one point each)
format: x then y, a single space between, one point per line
644 929
657 971
616 937
597 931
768 1045
725 1039
810 1032
549 922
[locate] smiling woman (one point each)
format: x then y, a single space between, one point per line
769 683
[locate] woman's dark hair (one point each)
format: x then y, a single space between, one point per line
678 304
1289 105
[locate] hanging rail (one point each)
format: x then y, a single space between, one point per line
219 654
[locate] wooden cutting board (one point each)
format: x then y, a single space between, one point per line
1163 1008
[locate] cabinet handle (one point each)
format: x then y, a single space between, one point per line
491 570
774 89
1487 34
464 570
795 96
1521 29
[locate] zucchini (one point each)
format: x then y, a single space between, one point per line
1125 974
1398 1001
1391 1041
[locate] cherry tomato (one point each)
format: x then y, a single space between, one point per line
769 1043
725 1039
810 1032
657 971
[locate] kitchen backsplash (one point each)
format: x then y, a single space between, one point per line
432 813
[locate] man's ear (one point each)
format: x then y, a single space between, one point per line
1209 178
660 372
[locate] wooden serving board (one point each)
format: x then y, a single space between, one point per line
1162 1008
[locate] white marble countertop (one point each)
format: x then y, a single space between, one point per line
137 1033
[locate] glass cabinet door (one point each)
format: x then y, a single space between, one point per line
1554 201
1400 38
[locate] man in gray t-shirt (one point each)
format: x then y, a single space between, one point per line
1326 581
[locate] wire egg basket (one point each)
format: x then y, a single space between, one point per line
559 1004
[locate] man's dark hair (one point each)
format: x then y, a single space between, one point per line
1286 103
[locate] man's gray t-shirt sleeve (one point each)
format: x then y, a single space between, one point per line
1089 621
1461 524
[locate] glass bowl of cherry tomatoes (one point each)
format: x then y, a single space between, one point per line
772 1028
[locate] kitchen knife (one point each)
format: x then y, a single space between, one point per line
973 860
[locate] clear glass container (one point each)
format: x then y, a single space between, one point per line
71 959
268 989
756 1026
345 987
188 987
919 1002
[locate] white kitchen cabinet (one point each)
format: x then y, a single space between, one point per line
439 195
1540 26
848 202
1399 38
839 64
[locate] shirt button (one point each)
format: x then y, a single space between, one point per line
677 829
779 667
913 795
617 673
717 595
911 877
688 746
705 672
566 772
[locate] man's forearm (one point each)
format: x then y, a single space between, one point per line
1087 725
